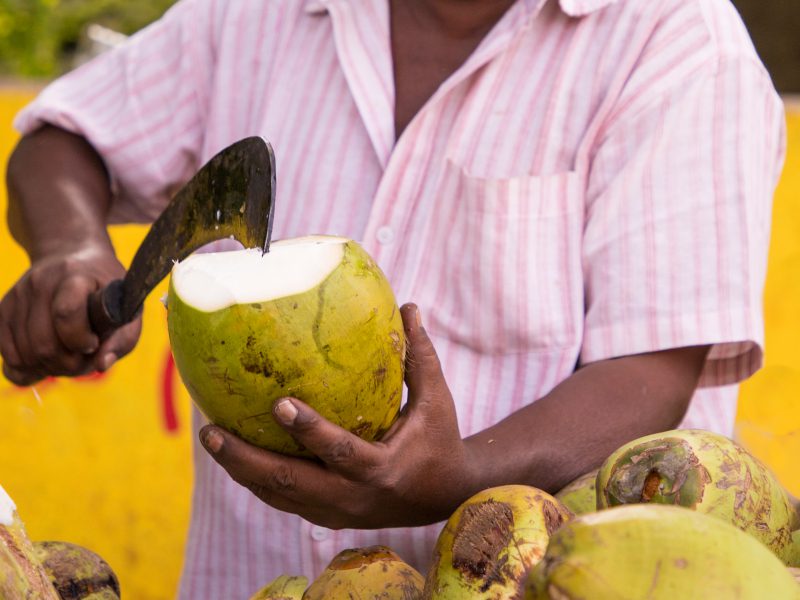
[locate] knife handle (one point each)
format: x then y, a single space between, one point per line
105 307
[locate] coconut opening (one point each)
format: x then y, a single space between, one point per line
7 508
665 470
213 281
651 483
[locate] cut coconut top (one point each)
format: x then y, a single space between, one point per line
7 508
213 281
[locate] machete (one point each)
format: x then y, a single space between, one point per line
233 195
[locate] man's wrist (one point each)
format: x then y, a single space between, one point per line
485 464
85 247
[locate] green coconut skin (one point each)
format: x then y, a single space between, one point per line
656 552
21 575
706 472
491 541
285 587
579 496
794 553
375 572
339 347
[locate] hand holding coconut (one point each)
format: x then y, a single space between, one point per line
416 474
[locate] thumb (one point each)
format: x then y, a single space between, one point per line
423 375
119 343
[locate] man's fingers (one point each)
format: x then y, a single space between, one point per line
18 324
53 357
119 343
15 369
8 349
71 317
424 376
21 377
272 477
338 448
39 328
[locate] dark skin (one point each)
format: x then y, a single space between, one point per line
423 468
59 195
430 40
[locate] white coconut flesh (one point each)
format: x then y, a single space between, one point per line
214 281
7 508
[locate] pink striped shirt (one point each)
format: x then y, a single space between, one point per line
594 181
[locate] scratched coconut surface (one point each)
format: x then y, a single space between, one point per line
113 454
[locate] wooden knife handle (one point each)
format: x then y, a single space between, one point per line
104 309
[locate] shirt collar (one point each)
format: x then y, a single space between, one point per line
574 8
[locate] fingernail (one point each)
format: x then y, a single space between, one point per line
92 347
286 411
212 440
108 360
418 317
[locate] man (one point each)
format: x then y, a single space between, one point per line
576 194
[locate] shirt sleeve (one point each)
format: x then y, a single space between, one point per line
142 106
679 199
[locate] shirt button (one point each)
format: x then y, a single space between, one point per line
320 534
385 235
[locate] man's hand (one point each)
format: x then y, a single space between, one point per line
44 325
422 470
58 200
417 474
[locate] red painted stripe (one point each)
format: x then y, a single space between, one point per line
169 413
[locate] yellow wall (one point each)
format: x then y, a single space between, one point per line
101 462
106 462
769 404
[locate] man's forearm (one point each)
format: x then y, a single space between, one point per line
585 418
59 194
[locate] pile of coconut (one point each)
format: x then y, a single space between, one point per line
684 514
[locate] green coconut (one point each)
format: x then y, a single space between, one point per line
793 554
315 319
284 587
580 496
375 572
491 541
21 575
706 472
657 552
76 572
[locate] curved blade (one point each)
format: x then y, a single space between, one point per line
233 195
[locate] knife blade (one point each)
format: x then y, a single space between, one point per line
232 195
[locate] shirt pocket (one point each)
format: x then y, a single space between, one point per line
509 270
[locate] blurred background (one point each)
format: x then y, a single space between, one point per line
105 461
